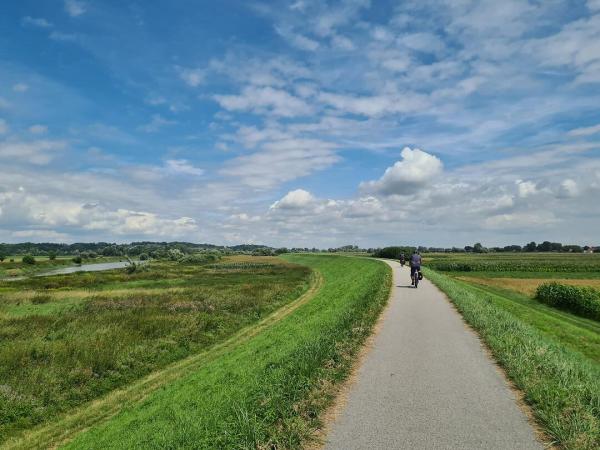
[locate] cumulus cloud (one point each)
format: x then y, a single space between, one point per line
297 199
263 100
526 188
416 169
568 189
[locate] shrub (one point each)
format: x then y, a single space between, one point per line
51 256
199 258
143 257
2 257
584 301
77 259
28 259
393 252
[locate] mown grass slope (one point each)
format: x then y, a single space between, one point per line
267 392
66 340
550 355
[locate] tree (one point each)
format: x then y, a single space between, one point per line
531 247
478 248
52 256
545 246
28 259
143 256
2 257
77 259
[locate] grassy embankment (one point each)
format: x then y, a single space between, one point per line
551 355
265 391
73 338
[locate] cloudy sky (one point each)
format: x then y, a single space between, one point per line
302 123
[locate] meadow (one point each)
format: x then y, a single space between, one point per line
552 355
69 339
264 386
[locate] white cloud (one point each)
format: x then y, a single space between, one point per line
342 42
297 199
192 77
374 106
3 126
156 123
568 189
182 166
593 5
526 188
39 22
585 131
423 42
20 87
416 169
38 129
39 152
297 40
263 100
75 8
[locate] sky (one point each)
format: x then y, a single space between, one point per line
300 123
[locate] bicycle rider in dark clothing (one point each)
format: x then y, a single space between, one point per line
402 259
415 266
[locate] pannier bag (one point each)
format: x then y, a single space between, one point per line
420 276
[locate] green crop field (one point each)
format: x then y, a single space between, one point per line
552 355
228 355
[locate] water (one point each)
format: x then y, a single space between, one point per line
82 268
85 268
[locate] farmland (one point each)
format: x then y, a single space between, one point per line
552 355
175 327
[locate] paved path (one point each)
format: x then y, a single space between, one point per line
428 384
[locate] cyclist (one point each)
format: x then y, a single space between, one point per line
402 259
415 266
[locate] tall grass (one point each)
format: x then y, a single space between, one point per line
269 391
584 301
59 350
561 385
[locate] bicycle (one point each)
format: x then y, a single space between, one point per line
416 276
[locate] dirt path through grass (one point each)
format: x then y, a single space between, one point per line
61 431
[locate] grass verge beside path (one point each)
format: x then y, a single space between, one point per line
561 385
268 391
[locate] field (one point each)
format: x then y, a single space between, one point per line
196 357
76 337
550 354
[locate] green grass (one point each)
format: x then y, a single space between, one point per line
577 333
66 340
515 263
558 373
268 391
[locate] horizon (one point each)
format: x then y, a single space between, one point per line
300 123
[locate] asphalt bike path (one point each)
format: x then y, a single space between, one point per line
427 383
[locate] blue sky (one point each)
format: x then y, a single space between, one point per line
301 123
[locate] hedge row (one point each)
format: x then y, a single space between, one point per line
584 301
